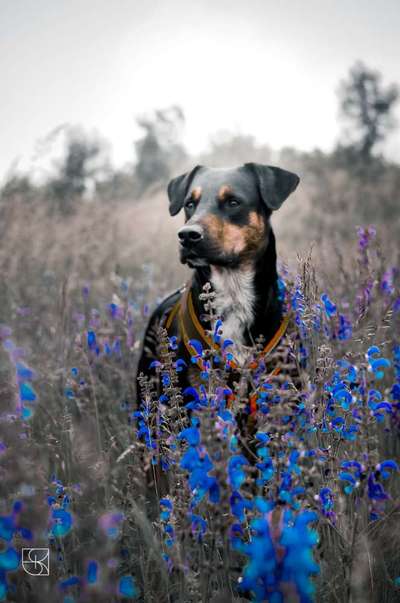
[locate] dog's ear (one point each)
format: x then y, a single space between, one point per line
275 184
178 189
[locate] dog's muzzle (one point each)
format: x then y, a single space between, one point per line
190 236
191 251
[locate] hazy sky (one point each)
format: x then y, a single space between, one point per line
265 67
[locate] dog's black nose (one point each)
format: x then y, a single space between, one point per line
190 235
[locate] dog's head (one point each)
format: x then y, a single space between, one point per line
227 211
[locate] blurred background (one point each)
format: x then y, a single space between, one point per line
102 103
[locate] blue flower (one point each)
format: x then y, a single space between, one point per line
155 364
173 343
127 587
372 351
342 396
10 524
191 435
68 582
217 331
298 564
259 575
165 502
180 365
197 402
375 489
350 479
235 470
384 465
329 306
196 345
198 466
114 310
199 526
9 560
7 528
27 393
326 498
92 572
24 373
91 340
239 505
61 522
345 328
358 467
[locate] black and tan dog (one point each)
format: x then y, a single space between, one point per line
228 240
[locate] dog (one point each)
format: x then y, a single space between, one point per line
228 241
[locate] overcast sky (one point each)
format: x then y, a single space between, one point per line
264 67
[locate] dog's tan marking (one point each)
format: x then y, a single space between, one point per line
196 193
234 238
224 191
213 226
241 240
255 232
256 220
228 236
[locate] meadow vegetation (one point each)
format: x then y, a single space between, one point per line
315 516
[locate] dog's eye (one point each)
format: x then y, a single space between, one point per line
190 204
232 202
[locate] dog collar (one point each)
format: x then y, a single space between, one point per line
191 328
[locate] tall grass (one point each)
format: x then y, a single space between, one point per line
178 512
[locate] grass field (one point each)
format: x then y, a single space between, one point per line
316 517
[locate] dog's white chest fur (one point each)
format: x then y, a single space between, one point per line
234 302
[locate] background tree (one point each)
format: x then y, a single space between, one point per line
18 185
159 152
84 160
367 106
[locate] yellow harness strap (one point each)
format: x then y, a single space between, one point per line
191 328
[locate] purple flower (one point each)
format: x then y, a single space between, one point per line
365 236
115 311
110 524
387 282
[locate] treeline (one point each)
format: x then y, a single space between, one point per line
354 179
85 170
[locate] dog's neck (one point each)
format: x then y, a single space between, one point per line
235 300
247 298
